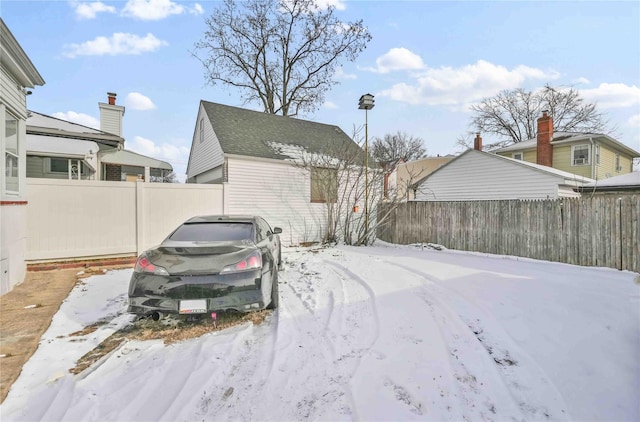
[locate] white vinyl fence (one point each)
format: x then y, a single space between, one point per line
70 219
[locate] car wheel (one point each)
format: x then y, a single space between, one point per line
274 291
280 267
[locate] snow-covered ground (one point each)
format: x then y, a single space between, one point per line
375 333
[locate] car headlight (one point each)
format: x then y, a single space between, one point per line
251 262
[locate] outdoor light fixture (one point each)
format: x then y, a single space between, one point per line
366 103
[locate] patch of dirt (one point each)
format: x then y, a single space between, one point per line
170 329
26 312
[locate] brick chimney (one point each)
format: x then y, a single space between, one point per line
544 149
111 115
477 142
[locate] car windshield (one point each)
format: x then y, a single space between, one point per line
213 232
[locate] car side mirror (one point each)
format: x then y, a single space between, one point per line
277 230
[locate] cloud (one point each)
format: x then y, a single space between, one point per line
397 59
153 10
175 154
90 10
338 4
581 81
341 75
330 105
196 10
79 118
634 121
614 95
137 101
463 85
119 44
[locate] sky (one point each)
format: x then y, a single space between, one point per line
426 64
456 336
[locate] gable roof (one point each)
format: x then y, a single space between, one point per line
560 138
256 134
15 60
568 177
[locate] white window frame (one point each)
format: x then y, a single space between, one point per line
574 161
518 156
15 157
81 167
597 153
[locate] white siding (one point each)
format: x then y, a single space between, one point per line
111 118
278 192
12 96
207 154
479 176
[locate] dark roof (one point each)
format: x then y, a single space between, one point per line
252 133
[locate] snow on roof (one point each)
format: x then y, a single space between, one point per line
562 137
629 179
130 158
52 145
42 120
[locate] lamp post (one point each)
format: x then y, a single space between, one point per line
366 103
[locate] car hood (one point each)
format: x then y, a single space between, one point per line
181 258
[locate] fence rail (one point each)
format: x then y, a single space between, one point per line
599 231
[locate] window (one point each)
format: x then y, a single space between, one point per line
213 232
580 155
202 130
517 156
618 166
324 185
597 154
58 165
12 163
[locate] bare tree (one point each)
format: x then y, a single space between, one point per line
281 54
392 150
395 148
512 114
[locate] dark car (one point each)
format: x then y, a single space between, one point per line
209 263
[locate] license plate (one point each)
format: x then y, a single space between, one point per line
197 306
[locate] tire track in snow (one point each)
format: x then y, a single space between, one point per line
521 375
304 350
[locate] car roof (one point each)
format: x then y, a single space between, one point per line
222 218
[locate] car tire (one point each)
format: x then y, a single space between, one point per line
274 291
280 267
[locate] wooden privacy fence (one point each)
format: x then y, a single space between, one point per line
594 231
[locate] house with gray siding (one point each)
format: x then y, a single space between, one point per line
259 158
479 176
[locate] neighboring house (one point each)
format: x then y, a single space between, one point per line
405 175
17 74
476 175
590 155
260 158
58 149
625 184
